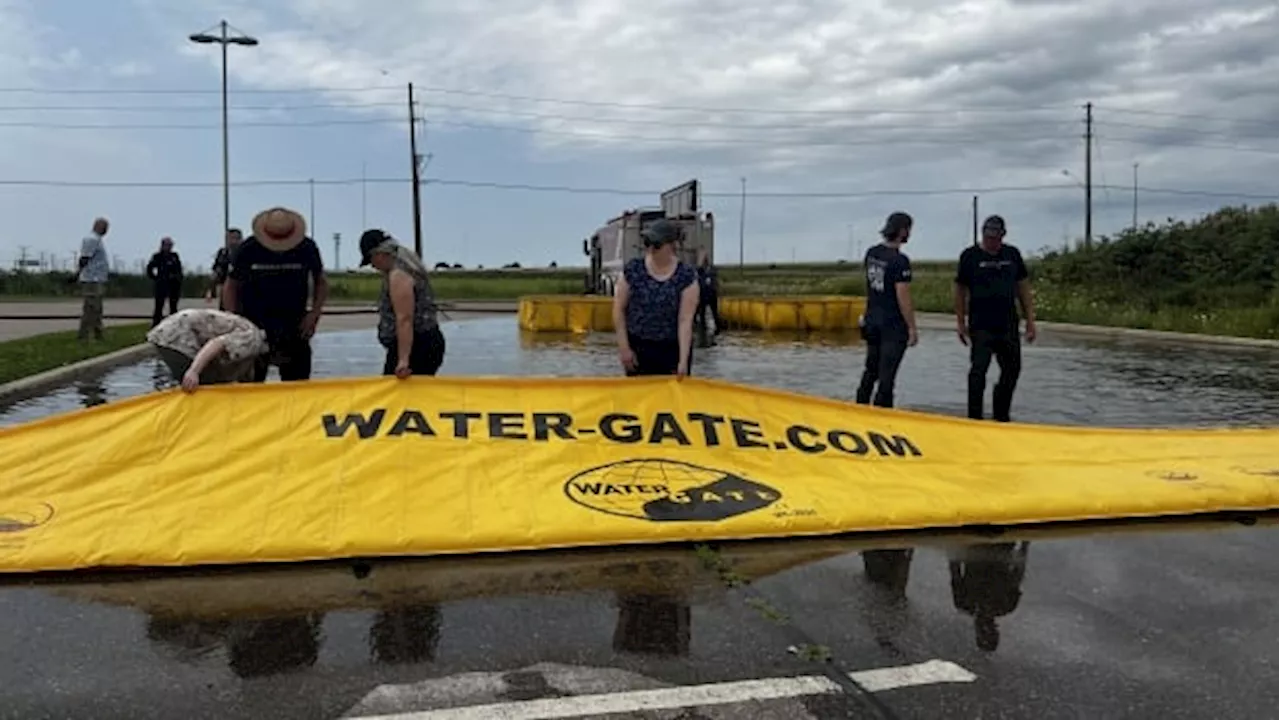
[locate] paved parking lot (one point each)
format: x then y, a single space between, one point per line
1161 622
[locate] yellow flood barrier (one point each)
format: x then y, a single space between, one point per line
802 312
586 313
380 467
566 313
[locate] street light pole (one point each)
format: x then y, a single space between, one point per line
225 38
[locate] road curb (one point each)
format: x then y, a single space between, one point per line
35 385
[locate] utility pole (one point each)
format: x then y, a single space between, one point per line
1088 175
742 231
417 181
852 258
1135 196
337 243
975 221
224 38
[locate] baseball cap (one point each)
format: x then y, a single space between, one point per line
895 223
993 225
371 239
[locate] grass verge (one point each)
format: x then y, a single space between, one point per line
29 356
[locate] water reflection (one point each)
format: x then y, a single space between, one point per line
271 646
986 583
888 571
404 635
91 392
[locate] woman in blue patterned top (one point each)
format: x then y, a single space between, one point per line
654 306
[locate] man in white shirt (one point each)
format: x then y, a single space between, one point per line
94 269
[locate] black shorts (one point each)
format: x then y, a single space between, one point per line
656 357
425 356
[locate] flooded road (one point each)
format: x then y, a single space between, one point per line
1068 382
1161 621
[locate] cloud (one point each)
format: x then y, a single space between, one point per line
823 96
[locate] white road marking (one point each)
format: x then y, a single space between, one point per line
932 672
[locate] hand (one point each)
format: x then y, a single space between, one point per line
308 324
628 358
682 370
402 369
913 337
208 297
1031 331
962 332
190 381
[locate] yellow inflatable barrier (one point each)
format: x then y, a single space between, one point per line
566 313
803 312
587 313
380 467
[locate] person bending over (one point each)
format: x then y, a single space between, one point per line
989 279
889 325
408 326
654 306
208 347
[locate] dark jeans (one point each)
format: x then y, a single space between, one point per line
425 357
885 349
165 291
291 354
1007 350
710 302
656 357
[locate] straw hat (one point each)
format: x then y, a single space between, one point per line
279 229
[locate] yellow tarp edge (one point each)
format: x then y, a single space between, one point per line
249 473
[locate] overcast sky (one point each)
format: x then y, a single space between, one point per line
541 113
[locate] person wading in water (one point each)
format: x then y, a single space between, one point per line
654 305
990 278
889 326
408 326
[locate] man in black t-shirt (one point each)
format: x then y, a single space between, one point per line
268 284
990 281
889 324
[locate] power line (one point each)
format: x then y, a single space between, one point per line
197 108
986 109
568 189
1186 116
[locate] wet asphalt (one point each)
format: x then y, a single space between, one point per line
1158 620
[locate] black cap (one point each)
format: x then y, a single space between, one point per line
894 224
371 239
994 226
660 233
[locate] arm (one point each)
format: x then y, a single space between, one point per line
902 288
152 267
320 293
960 300
211 350
1025 298
689 298
88 247
621 294
402 302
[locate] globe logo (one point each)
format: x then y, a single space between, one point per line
660 490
